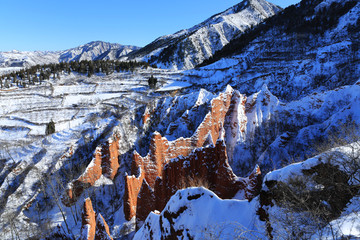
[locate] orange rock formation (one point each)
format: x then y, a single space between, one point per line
161 151
88 221
102 229
93 226
204 167
105 163
154 178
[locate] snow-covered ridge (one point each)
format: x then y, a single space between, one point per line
91 51
187 48
199 213
96 50
294 58
182 50
26 59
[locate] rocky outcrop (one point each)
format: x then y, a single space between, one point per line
105 163
198 213
204 167
102 229
235 123
154 178
88 221
161 151
93 226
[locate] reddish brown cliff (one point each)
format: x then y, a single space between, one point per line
88 221
102 229
161 151
253 184
145 200
105 162
132 189
204 167
93 226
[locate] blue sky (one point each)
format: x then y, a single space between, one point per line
29 25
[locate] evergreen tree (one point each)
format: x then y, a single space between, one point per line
91 69
50 128
35 79
152 82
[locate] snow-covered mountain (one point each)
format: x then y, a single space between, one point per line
90 51
95 51
25 59
188 48
182 50
308 47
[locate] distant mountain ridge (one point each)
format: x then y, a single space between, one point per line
184 49
95 51
26 58
91 51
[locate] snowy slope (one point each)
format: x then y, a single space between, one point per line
26 59
295 53
187 48
197 213
86 112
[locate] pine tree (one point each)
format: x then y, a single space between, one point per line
91 69
152 82
35 79
50 128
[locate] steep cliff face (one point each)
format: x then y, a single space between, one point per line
282 207
204 167
154 178
105 162
88 221
102 229
235 123
93 226
161 151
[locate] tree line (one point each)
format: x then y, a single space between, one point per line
39 73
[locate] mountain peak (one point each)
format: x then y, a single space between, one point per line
187 48
96 50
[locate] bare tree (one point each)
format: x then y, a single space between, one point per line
308 203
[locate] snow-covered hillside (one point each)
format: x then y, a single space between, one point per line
214 218
86 111
26 59
101 120
306 48
188 48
